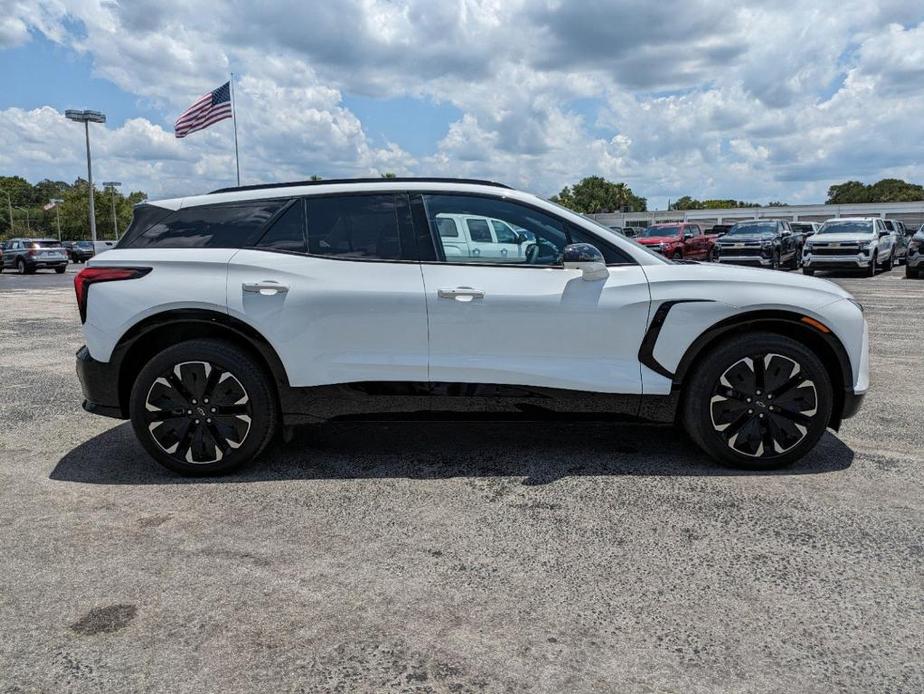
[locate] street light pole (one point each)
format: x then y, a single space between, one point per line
87 117
56 202
112 185
9 202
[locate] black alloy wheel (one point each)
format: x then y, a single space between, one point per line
203 406
760 401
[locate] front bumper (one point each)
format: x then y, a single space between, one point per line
100 384
854 261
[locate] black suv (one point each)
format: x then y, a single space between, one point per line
28 255
768 243
79 251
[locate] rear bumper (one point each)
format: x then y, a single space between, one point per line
100 384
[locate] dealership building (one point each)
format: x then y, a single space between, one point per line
911 213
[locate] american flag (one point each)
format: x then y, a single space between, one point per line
208 109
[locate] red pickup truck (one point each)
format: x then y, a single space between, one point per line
678 240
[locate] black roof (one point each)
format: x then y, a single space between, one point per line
326 182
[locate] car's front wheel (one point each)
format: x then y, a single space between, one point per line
758 402
203 406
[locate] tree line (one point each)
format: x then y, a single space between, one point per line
27 203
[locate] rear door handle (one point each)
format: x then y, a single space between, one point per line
461 293
266 287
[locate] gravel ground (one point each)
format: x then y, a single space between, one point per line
456 557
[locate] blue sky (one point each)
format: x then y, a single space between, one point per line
735 100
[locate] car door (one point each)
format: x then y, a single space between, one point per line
335 287
531 324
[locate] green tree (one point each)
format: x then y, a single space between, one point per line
850 191
388 174
595 194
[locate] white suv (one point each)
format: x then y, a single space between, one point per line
861 243
222 318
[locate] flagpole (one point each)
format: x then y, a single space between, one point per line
237 155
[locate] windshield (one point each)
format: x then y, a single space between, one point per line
669 230
44 243
802 227
84 244
839 227
751 228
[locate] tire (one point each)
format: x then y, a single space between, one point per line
21 267
911 273
734 424
890 263
775 262
60 270
871 270
713 255
807 271
678 255
186 377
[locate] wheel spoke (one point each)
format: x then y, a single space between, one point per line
763 405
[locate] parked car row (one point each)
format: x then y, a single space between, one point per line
861 243
856 243
26 255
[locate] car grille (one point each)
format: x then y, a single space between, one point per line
733 249
844 249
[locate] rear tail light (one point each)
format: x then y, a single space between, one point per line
93 275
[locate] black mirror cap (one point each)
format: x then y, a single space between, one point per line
582 253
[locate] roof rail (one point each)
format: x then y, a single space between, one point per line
326 182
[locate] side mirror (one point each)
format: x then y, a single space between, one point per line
521 238
884 232
586 258
688 234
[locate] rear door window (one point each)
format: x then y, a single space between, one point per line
288 232
361 227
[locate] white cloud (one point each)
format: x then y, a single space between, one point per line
713 99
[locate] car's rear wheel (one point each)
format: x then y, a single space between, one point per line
807 270
21 266
203 406
60 270
758 402
911 272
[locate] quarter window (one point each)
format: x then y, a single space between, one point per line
209 226
354 226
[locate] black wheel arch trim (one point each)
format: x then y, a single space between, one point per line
125 351
846 401
650 340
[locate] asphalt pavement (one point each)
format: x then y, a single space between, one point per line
457 556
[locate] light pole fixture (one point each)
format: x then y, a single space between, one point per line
56 202
9 202
87 117
112 185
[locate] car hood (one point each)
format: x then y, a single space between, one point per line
654 240
842 238
736 285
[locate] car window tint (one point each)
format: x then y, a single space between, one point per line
287 232
354 226
611 254
478 230
503 232
539 238
209 226
447 228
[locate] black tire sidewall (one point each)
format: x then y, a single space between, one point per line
244 367
695 406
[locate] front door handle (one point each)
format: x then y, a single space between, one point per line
460 293
267 287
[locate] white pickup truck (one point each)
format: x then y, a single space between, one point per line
474 238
